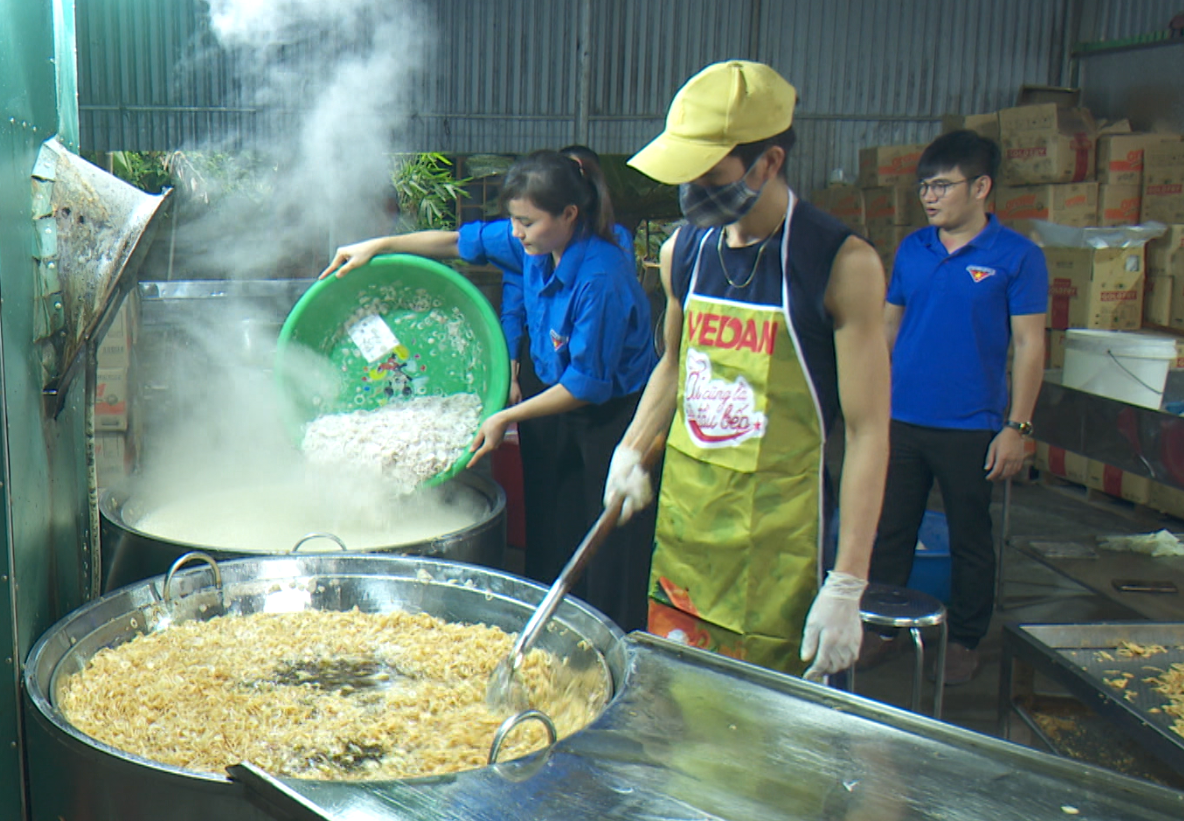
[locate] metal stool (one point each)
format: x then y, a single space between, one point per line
883 605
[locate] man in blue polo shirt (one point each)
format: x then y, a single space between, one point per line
962 290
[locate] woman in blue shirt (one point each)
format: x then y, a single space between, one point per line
585 321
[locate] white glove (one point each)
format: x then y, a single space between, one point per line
627 478
833 627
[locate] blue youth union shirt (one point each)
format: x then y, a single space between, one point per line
950 358
588 318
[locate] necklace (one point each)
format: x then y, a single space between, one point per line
719 250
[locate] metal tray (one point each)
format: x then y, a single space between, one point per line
1087 656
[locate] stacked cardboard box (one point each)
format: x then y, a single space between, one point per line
1157 300
1091 473
1062 463
1167 499
1095 288
112 409
1165 279
889 165
892 213
986 125
1118 483
1054 348
1073 204
1118 204
1120 156
1047 170
1046 143
1163 182
845 202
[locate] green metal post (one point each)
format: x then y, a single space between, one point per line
45 533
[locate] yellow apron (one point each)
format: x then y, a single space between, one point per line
737 555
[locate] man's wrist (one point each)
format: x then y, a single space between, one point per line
1023 428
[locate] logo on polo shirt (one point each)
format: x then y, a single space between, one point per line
558 341
979 273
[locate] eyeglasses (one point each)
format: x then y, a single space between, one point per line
941 187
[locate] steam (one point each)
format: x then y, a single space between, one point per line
331 86
223 458
332 80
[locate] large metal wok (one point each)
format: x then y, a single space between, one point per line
69 769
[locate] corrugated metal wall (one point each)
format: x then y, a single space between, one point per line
505 75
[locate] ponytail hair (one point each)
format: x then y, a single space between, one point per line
553 180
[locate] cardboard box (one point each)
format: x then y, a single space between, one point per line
1118 482
1157 300
1176 317
1025 228
887 238
1118 204
1046 144
886 165
986 125
1054 348
893 205
111 399
1178 363
1163 183
114 349
1165 255
1095 288
887 260
1061 462
1032 94
111 457
1167 499
1073 204
1120 156
845 203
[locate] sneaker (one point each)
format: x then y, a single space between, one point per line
961 664
875 650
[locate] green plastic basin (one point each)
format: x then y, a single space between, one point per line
446 336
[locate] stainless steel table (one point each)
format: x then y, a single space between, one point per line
1088 661
1139 440
698 736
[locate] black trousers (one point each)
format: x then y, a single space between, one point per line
565 462
954 459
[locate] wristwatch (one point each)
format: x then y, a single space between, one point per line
1025 428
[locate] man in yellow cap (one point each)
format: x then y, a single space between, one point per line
774 326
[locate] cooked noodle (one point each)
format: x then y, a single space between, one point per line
292 693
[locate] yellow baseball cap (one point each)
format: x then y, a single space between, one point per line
723 106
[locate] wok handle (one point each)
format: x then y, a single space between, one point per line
579 560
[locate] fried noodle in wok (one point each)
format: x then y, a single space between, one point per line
319 694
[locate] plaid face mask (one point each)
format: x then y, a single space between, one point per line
708 206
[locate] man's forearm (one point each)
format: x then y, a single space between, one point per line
861 495
1027 375
656 408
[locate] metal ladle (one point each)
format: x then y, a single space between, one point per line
504 690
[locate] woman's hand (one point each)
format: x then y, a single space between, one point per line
353 256
489 437
515 393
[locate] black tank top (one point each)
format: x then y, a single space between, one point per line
815 239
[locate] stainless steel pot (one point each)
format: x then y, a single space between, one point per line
130 555
71 775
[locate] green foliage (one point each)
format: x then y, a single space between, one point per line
427 190
208 176
144 169
203 176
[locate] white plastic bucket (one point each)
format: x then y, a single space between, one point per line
1129 367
